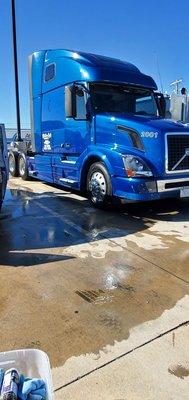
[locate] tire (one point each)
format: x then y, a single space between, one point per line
13 164
99 185
22 167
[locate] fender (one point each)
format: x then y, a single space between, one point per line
91 157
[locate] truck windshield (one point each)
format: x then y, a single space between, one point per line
123 99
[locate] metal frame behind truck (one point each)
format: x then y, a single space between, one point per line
3 163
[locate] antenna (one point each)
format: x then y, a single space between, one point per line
158 70
176 84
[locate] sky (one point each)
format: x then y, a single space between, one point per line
146 33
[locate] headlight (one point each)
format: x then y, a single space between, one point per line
136 167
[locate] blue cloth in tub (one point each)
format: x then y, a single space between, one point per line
31 389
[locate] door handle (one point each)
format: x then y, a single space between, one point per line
66 145
63 158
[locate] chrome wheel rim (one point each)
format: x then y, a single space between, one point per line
97 187
21 166
11 164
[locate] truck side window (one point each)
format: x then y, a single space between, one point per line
50 72
75 104
80 104
145 105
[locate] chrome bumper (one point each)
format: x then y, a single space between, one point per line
161 184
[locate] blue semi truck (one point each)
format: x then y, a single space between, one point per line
3 164
98 125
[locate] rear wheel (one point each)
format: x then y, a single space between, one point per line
99 185
22 168
13 164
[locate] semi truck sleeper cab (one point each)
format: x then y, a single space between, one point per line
98 126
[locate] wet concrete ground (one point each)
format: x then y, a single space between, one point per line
75 279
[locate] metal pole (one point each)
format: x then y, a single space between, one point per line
16 70
176 84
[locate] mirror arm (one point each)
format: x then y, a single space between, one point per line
161 104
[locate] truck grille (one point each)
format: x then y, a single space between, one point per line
178 153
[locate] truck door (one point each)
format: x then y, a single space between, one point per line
53 135
77 134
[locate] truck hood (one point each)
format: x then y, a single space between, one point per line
152 132
162 125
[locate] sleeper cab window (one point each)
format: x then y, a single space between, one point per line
50 72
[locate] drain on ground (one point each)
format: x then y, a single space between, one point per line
102 296
91 295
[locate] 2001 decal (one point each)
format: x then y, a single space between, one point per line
149 134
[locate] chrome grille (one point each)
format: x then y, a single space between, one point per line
177 152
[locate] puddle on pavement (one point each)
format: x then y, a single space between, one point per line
110 321
17 194
132 290
112 296
16 203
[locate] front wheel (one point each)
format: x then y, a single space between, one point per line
99 185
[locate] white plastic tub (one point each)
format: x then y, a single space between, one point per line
30 362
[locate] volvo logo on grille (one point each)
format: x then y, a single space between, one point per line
181 159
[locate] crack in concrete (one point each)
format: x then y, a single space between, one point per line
122 355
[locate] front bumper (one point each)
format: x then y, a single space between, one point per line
137 189
169 185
